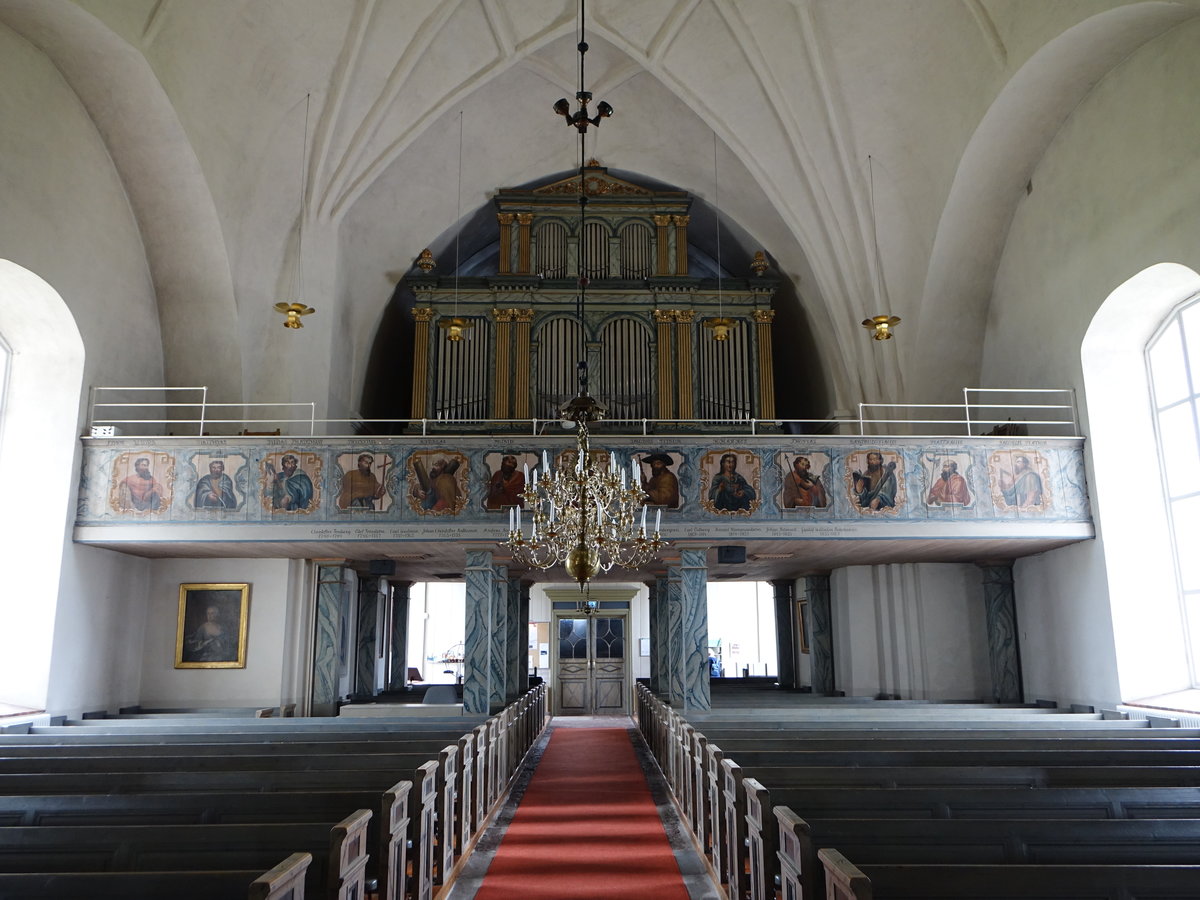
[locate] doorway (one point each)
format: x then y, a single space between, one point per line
590 663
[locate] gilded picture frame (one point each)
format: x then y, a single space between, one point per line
212 626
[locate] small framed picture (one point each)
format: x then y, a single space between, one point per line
213 620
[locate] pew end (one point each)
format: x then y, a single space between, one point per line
348 846
284 882
843 880
795 855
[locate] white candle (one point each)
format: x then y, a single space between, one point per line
551 512
512 518
545 462
657 519
527 473
643 521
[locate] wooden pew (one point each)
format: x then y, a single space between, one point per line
339 851
931 882
763 837
283 882
387 831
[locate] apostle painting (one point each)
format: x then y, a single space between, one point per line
803 484
1020 479
658 481
506 478
729 482
437 482
142 482
291 482
947 479
215 489
874 481
364 481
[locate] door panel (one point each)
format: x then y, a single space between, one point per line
591 669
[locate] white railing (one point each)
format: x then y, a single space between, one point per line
997 416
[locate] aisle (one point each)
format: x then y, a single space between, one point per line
587 826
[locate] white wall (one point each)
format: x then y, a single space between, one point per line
1115 193
259 683
915 630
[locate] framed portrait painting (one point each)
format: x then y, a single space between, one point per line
211 632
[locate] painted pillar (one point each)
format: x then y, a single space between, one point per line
327 638
398 639
476 639
674 687
683 343
681 246
656 600
666 368
662 242
694 585
1000 601
420 387
524 220
502 392
367 638
505 262
498 632
820 621
516 644
766 363
785 632
521 390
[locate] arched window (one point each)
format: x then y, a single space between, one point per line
1173 358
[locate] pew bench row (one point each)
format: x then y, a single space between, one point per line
132 800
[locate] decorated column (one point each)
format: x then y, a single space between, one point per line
766 365
524 220
681 246
1000 602
370 596
505 220
331 576
420 389
694 590
683 344
398 638
503 392
662 241
666 370
785 631
521 389
498 628
820 645
477 648
517 682
673 687
657 601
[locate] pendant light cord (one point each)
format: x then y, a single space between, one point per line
299 285
717 205
458 213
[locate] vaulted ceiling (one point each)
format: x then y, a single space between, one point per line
768 109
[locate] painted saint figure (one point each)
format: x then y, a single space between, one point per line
662 487
802 488
876 487
730 491
950 488
1022 486
361 487
140 490
215 490
505 485
291 489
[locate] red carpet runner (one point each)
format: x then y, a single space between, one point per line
586 828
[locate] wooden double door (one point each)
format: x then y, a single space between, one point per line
591 664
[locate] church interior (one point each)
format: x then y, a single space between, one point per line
292 293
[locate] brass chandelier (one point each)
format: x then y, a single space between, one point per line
583 516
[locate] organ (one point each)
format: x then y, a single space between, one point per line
648 326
